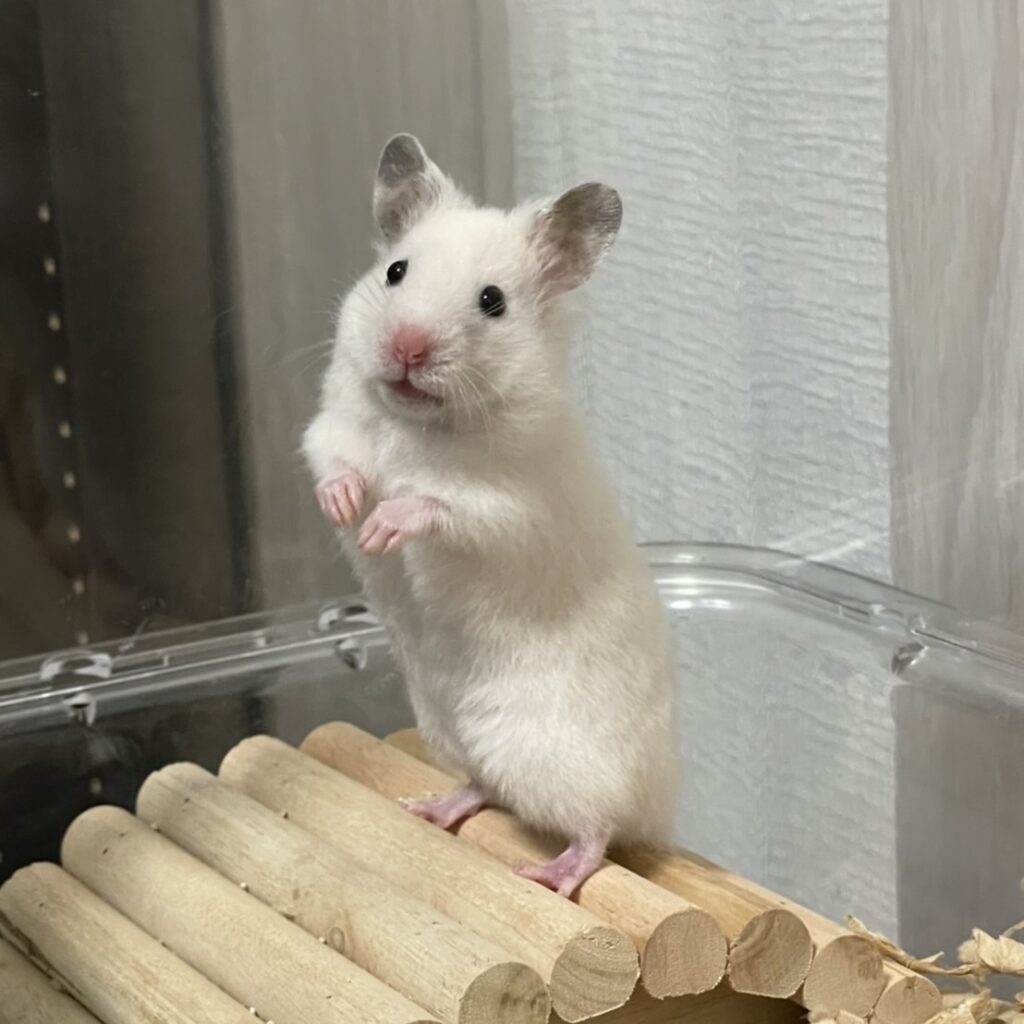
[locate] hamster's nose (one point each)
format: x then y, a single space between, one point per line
411 345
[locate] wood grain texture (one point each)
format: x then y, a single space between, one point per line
27 996
734 363
590 967
682 948
239 943
418 951
310 93
112 966
956 223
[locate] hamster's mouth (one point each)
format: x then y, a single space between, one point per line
406 390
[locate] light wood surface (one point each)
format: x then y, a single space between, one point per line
770 946
120 973
682 948
438 963
238 942
847 974
590 967
772 940
28 996
906 999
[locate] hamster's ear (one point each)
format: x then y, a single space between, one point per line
408 183
573 233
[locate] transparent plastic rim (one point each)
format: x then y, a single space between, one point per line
214 651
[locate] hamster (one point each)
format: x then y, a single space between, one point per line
449 455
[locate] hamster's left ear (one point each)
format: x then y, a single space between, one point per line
573 233
408 184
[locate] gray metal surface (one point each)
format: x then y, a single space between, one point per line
185 190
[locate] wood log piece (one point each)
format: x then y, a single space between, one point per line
589 967
772 940
907 998
847 974
432 959
840 970
109 964
721 1006
770 948
28 996
682 948
770 945
238 942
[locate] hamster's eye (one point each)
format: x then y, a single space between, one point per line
492 301
397 271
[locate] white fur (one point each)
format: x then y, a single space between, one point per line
528 627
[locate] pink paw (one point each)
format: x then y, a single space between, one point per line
570 869
448 810
393 522
341 498
564 881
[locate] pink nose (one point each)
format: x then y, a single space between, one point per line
411 345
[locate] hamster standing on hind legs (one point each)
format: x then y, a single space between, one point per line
448 453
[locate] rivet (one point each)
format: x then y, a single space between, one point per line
74 534
53 321
50 266
43 212
59 375
70 480
64 429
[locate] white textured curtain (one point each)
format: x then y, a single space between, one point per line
735 353
734 366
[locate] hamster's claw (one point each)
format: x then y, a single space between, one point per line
341 498
393 522
447 811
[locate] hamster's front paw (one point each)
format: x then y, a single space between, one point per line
341 497
393 522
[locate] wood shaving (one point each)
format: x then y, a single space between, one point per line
922 965
1002 955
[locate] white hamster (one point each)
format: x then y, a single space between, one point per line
447 450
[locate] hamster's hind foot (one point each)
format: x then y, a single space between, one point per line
447 811
571 868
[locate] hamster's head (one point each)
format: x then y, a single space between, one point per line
457 321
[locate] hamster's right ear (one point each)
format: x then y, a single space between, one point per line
408 184
573 233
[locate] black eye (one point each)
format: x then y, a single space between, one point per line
397 271
492 301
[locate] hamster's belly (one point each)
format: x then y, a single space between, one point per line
559 714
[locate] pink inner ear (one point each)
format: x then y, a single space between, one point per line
563 262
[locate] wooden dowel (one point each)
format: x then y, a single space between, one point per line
771 948
722 1006
589 967
28 996
907 998
847 974
424 954
238 942
772 940
110 965
844 974
682 948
